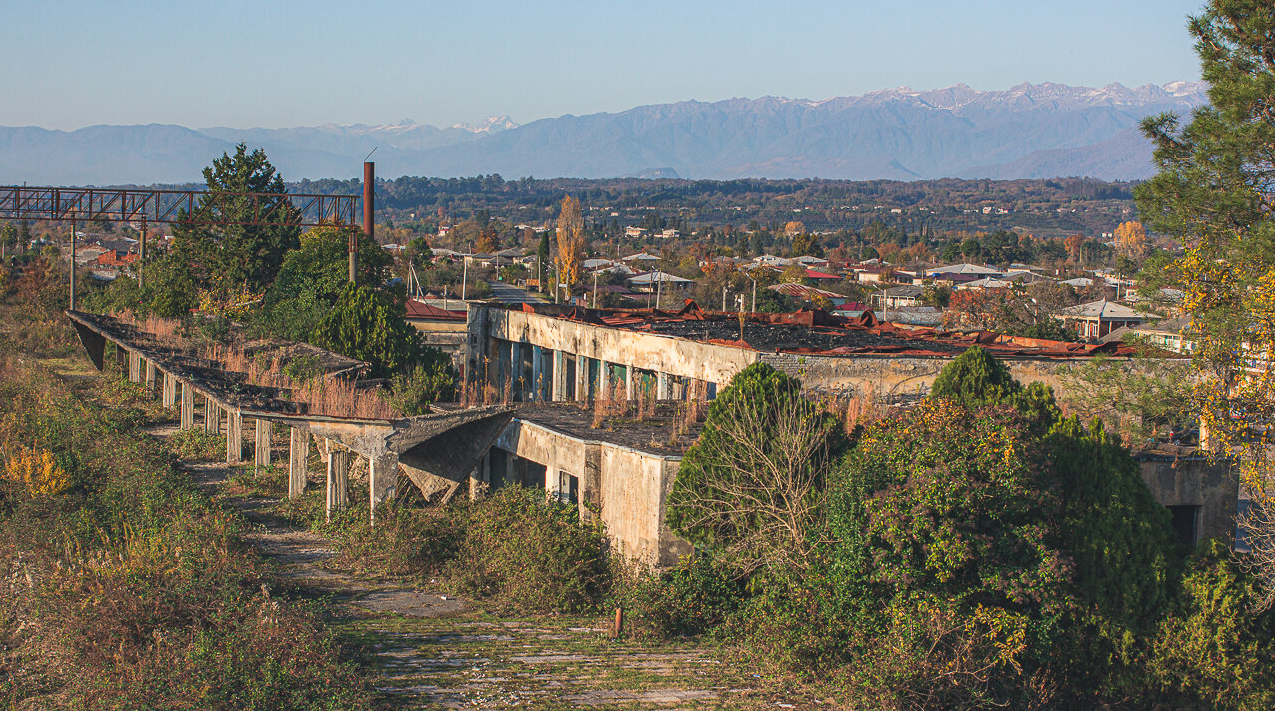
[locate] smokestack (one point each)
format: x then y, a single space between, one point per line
369 210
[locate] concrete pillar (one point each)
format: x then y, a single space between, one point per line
515 369
382 480
537 373
212 415
135 366
170 390
604 379
582 378
188 407
261 444
150 376
298 462
338 480
476 480
662 386
234 437
559 390
121 358
629 388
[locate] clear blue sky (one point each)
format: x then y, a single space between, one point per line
280 63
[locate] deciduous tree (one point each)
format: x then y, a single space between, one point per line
570 242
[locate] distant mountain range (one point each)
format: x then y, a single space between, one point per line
1029 131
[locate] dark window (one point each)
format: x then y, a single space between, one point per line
499 464
1186 524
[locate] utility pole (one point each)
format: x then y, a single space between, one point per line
369 212
723 299
595 290
72 263
141 257
754 309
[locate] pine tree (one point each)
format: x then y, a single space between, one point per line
1214 191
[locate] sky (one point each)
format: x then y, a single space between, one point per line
278 63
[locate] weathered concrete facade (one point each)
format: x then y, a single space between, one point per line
547 358
1201 494
625 487
551 358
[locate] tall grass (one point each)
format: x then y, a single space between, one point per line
127 588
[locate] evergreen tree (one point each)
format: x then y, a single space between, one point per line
1214 191
231 258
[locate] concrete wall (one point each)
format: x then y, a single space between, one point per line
895 375
1194 480
625 487
664 354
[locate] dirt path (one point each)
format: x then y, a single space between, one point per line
437 651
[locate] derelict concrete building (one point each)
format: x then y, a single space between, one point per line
545 356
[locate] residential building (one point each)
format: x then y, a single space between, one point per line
1099 318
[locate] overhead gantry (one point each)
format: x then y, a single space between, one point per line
435 451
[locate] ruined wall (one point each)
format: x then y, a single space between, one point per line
895 375
628 488
1193 480
664 354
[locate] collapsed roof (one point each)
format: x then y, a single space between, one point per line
818 332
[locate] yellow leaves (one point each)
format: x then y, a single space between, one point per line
1131 239
236 305
37 470
570 241
1005 631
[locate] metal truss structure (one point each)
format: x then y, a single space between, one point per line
196 207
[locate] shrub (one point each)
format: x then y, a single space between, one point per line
432 380
1217 646
694 597
532 555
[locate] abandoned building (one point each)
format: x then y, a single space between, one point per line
561 367
546 356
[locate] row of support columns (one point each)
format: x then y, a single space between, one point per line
551 380
382 471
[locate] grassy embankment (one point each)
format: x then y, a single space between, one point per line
122 585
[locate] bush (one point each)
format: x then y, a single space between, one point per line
532 555
432 380
1217 647
694 597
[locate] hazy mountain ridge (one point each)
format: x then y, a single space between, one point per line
1030 130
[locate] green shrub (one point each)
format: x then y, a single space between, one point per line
1217 647
431 380
532 555
694 597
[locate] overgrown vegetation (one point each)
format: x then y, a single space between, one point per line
977 551
513 549
125 588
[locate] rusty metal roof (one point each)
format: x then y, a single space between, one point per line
818 332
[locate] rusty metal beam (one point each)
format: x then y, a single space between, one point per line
197 207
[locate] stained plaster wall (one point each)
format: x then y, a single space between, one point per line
664 354
626 488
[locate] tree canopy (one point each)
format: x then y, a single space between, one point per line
1214 191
